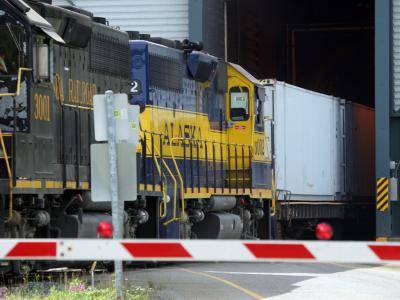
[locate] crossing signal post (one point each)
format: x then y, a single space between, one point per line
112 163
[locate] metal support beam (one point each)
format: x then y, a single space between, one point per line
196 20
387 119
382 103
116 206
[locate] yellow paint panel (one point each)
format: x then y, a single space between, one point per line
259 151
85 185
176 125
149 188
197 196
50 184
29 184
242 132
71 185
261 193
204 194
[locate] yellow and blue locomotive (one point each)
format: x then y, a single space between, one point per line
204 170
202 142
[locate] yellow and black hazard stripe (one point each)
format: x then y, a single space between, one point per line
382 194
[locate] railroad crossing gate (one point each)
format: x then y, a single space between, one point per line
198 250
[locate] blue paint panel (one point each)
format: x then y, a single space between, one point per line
199 174
171 231
202 67
139 58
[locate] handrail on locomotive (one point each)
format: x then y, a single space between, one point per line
18 91
224 161
5 156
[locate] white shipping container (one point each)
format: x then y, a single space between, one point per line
322 144
305 142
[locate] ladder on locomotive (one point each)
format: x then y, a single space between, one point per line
6 139
5 175
5 155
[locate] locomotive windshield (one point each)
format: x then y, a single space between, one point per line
12 48
10 44
239 103
9 61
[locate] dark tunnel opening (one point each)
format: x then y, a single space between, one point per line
324 46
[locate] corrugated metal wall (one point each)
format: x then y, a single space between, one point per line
160 18
62 2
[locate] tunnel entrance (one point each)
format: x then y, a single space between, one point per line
324 46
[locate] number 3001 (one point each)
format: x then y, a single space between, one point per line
42 107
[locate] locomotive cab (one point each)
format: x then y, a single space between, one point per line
12 57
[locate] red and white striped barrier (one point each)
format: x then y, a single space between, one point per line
198 250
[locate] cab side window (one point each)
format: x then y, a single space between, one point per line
239 103
258 110
11 45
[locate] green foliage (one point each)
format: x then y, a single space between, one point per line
75 290
88 294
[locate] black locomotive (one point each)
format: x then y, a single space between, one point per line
52 61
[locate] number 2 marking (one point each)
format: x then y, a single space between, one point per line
134 89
